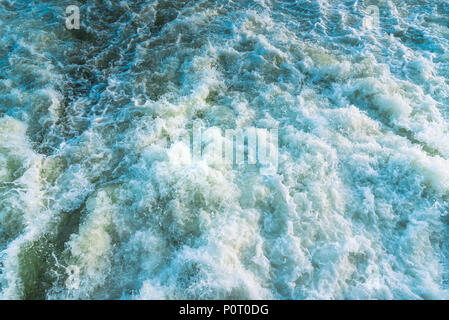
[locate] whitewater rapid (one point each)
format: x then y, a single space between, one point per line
100 199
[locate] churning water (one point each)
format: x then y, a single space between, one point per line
99 198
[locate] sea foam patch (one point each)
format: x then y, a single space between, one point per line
238 150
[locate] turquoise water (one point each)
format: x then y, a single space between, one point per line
100 199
